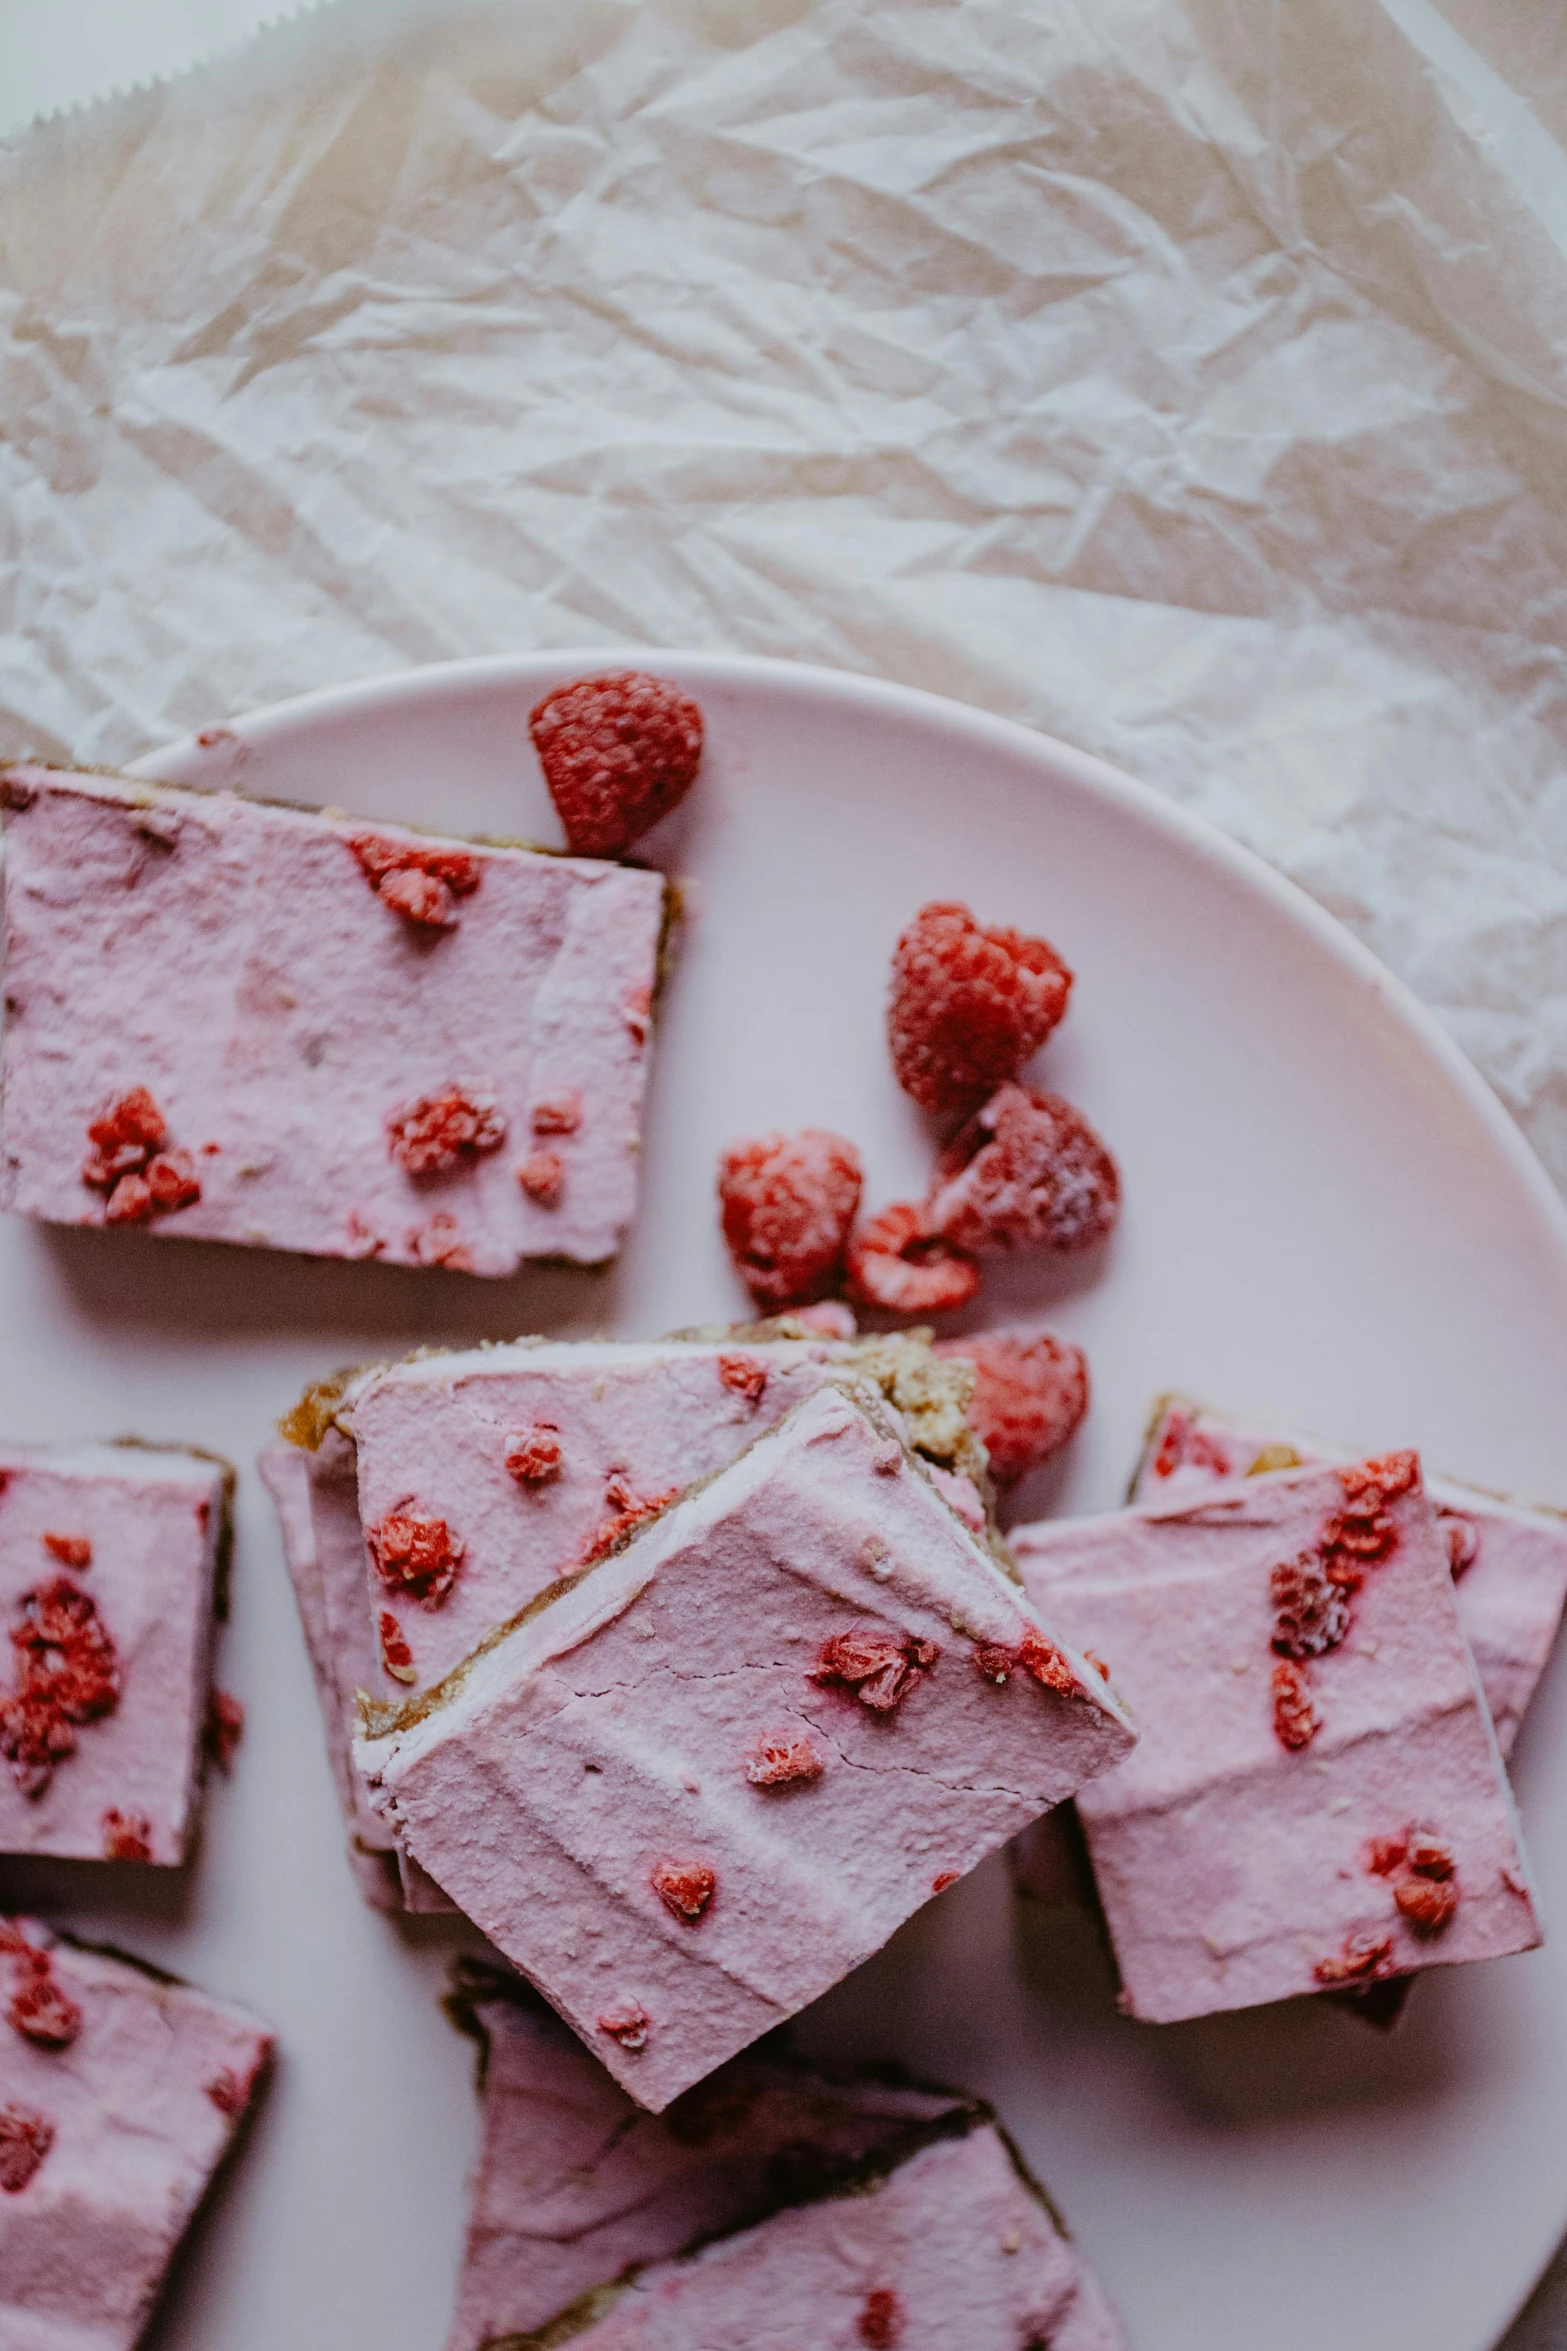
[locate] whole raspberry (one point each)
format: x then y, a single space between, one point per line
898 1262
789 1204
968 1006
1026 1172
618 753
1029 1395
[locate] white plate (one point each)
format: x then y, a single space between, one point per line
1327 1215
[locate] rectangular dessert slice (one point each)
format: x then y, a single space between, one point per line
109 1556
693 1787
1509 1562
408 1048
952 2246
120 2092
1316 1800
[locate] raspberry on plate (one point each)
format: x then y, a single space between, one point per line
1026 1172
1030 1392
618 753
968 1006
789 1204
898 1261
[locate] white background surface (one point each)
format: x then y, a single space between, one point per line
58 53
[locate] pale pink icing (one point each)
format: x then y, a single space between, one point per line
610 1731
1227 1865
952 2249
1510 1595
154 1518
322 1011
142 2106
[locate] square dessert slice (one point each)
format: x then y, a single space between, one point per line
409 1048
485 1476
694 1786
1316 1800
952 2246
1509 1561
120 2092
109 1556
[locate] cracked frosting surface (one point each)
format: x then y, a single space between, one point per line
1510 1594
140 2108
604 1745
153 1519
1229 1867
323 1011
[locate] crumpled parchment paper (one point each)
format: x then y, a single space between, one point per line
1187 377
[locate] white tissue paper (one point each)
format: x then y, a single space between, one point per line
1185 377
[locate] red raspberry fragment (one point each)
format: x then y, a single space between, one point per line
34 1737
396 1655
439 1241
994 1662
1311 1613
416 1555
618 753
421 884
419 898
1365 1959
127 1836
40 2010
782 1762
1047 1665
789 1204
684 1887
172 1181
135 1123
1026 1172
880 1667
743 1376
1429 1856
533 1456
898 1262
1029 1395
968 1006
130 1202
558 1114
943 1879
1384 1855
881 2320
542 1175
1294 1721
229 2093
1427 1904
628 1514
1369 1486
627 2023
25 2139
66 1654
70 1550
434 1135
225 1727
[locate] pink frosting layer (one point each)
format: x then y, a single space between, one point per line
140 2108
1511 1593
322 1011
153 1519
1229 1866
607 1739
952 2249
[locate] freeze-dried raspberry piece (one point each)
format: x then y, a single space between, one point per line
542 1175
1030 1392
1364 1959
1311 1614
416 1555
127 1836
629 1511
1369 1486
1384 1855
135 1122
684 1887
130 1202
419 898
1426 1905
533 1456
1047 1665
968 1005
943 1879
396 1655
627 2023
1294 1720
789 1204
224 1727
743 1376
39 2009
1026 1172
437 1133
880 1667
34 1737
618 753
439 1241
172 1181
421 884
66 1654
25 2139
783 1762
881 2320
70 1550
994 1662
897 1262
1183 1441
1429 1856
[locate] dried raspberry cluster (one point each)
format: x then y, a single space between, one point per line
131 1163
437 1133
420 883
40 2008
68 1674
880 1668
1313 1594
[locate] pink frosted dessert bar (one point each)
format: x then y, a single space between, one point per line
1316 1800
694 1787
576 2190
1509 1562
416 1049
109 1556
120 2092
